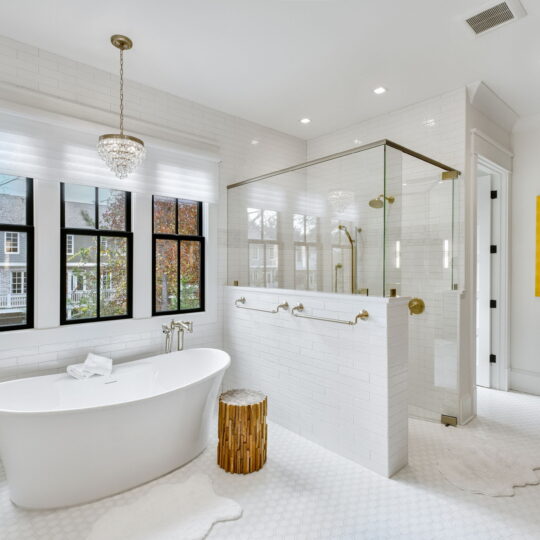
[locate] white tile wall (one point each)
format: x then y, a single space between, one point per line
343 387
31 68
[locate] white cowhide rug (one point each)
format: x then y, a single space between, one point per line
183 511
482 466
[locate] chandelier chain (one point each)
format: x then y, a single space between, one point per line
121 92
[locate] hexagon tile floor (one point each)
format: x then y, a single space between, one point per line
306 492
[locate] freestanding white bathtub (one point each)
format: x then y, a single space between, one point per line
65 441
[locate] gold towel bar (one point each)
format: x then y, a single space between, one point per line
299 308
242 300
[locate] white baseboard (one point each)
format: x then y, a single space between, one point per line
522 380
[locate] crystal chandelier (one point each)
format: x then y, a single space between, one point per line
122 153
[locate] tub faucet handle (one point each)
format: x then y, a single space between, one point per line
188 325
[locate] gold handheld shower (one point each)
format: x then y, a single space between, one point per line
353 257
379 203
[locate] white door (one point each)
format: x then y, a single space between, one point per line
483 280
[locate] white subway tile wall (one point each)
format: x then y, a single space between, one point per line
52 349
343 387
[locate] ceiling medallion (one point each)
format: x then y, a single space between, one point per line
122 153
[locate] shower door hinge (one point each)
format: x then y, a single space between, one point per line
449 175
448 420
494 194
493 358
493 303
493 249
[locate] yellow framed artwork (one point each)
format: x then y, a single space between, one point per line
537 246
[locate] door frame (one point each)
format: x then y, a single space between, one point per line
500 316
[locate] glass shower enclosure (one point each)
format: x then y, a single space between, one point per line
376 220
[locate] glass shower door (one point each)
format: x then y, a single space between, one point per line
425 261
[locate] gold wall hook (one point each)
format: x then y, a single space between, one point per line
416 306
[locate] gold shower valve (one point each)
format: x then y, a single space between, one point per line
416 306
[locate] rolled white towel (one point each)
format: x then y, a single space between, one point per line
93 365
78 371
98 365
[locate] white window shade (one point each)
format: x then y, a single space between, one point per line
51 152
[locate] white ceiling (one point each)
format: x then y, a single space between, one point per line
276 61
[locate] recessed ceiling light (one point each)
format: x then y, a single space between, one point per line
357 141
305 120
380 90
430 122
254 142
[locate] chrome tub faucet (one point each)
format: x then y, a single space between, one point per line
179 327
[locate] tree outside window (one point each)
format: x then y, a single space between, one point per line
178 253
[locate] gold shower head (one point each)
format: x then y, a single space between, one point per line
379 203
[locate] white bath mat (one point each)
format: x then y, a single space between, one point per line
487 469
184 511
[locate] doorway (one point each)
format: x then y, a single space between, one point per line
491 275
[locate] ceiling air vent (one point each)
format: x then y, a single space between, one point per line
495 16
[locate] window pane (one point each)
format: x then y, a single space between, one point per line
13 283
11 243
298 228
270 225
190 278
300 258
166 275
188 217
114 276
112 209
80 206
164 215
254 224
256 265
12 200
81 274
311 229
272 265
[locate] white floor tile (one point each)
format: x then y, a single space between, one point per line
306 492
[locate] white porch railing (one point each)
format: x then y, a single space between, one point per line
8 301
76 296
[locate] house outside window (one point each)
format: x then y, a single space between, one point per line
11 242
16 252
18 282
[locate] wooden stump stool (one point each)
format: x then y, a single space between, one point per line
242 431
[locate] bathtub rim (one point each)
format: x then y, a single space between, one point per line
9 412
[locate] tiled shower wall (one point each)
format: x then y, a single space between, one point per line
47 74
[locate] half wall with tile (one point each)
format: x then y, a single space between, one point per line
341 386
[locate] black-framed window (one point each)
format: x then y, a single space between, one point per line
178 253
16 252
96 254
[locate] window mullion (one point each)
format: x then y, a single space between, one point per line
178 271
98 275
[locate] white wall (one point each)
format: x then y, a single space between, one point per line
68 86
343 387
525 307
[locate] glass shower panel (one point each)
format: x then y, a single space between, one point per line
311 229
393 203
425 257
